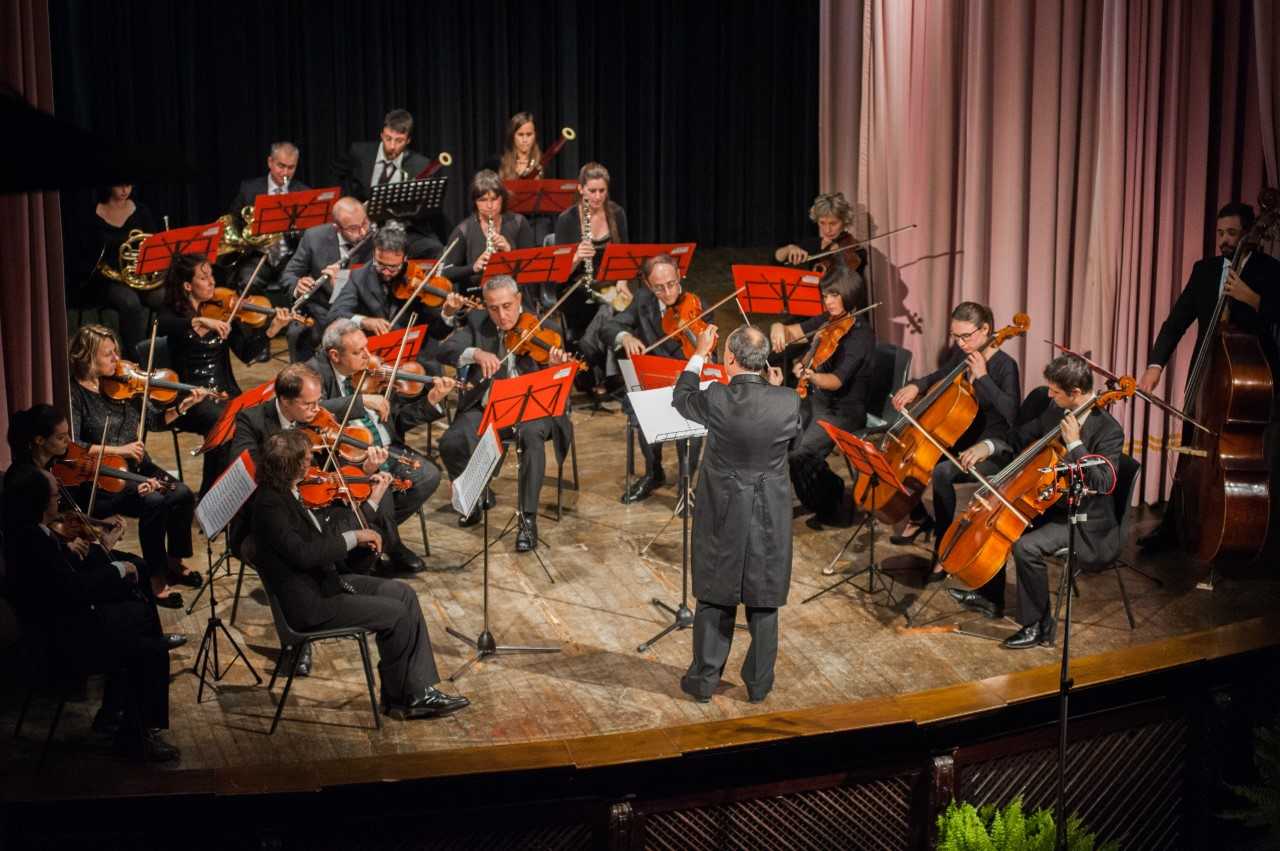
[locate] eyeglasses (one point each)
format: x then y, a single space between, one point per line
387 267
960 338
672 287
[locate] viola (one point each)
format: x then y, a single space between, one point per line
77 465
822 347
320 487
255 311
946 411
129 381
434 290
684 320
976 545
351 443
527 339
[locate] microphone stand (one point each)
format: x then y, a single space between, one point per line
1074 493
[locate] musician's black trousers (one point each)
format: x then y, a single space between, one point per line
164 519
712 640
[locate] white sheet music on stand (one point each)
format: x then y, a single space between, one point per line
658 418
232 490
629 377
468 487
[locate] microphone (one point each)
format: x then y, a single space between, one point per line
1069 466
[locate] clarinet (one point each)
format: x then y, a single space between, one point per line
588 268
342 264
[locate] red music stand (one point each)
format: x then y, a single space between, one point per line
869 461
540 196
225 428
549 264
622 261
778 290
655 371
157 252
293 211
388 344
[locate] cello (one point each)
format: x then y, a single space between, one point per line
1223 477
978 542
946 411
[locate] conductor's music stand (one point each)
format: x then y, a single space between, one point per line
514 402
546 265
540 197
778 290
293 211
868 461
408 200
485 644
157 252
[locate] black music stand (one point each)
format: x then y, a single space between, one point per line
410 199
485 644
513 402
868 461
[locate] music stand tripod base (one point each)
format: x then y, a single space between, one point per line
872 570
207 655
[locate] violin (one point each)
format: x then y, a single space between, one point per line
351 443
129 381
685 317
255 311
433 292
320 487
839 257
77 465
978 542
74 525
410 379
822 347
527 339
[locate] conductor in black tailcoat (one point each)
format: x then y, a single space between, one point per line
742 514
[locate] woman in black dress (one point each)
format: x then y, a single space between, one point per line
491 229
115 213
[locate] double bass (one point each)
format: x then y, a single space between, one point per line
979 541
1224 477
946 411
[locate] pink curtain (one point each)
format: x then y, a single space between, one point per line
33 326
1062 159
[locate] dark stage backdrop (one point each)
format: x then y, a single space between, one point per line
704 113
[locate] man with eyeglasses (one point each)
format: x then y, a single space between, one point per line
636 328
322 249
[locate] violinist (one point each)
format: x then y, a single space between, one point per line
316 270
1254 305
633 330
199 348
163 508
998 388
837 389
833 215
1070 383
490 230
478 343
592 224
345 350
298 401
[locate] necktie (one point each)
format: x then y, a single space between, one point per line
388 169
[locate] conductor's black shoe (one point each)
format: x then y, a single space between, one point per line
527 534
975 602
641 488
1035 635
431 703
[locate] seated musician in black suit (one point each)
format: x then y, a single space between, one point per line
320 253
93 614
389 161
478 344
1070 384
282 164
633 330
297 558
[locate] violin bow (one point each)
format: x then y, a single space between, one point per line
404 338
88 522
854 245
102 451
356 392
684 325
146 386
244 293
435 270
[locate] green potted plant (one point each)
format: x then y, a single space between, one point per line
964 827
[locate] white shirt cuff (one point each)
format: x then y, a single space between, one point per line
467 357
1073 444
991 447
350 538
695 365
617 341
120 566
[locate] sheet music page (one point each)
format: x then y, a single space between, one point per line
658 418
468 487
232 490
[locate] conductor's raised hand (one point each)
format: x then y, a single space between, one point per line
707 340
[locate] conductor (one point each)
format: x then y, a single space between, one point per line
742 514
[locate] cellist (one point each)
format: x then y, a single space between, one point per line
1070 383
837 392
635 329
997 387
1254 304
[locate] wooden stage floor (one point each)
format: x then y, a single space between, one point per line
844 647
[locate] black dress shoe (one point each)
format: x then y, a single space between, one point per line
431 703
190 578
172 600
925 528
304 664
405 560
1033 635
975 602
107 721
527 534
934 576
468 520
173 641
640 489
